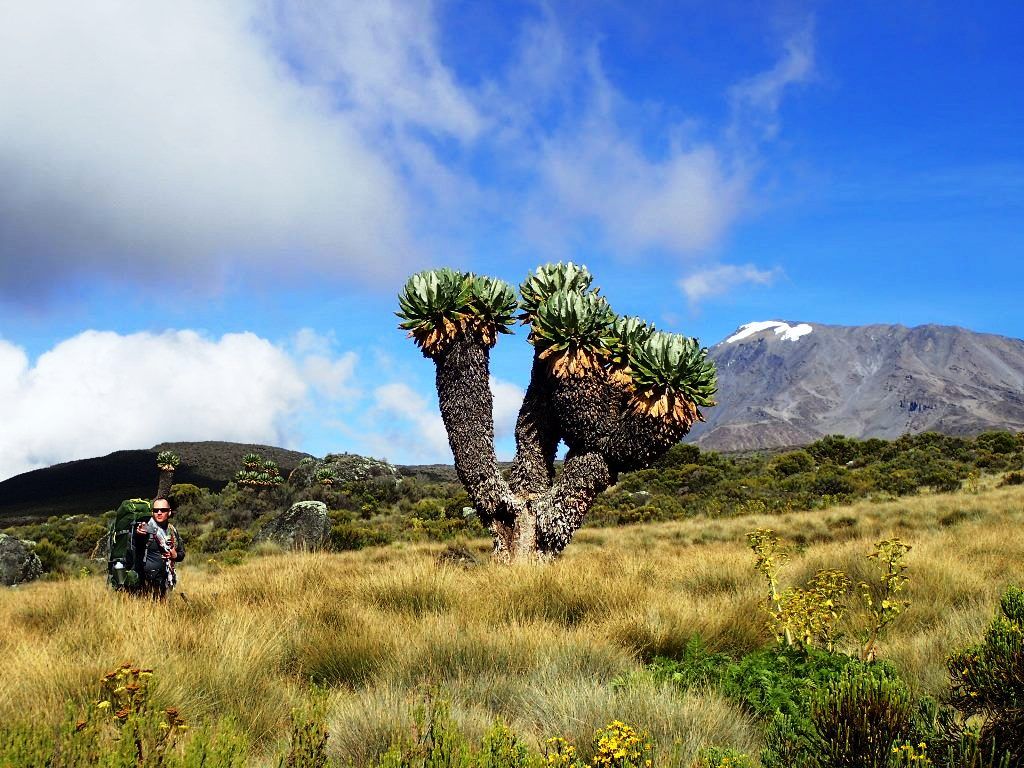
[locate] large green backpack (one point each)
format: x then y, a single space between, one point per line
122 570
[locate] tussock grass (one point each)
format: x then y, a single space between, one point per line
555 650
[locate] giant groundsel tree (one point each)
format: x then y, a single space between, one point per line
617 391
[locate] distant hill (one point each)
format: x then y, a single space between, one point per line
92 486
787 384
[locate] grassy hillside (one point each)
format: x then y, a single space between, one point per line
366 638
92 486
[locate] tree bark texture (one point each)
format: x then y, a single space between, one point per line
163 487
467 410
537 437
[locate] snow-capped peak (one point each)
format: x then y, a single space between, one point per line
783 330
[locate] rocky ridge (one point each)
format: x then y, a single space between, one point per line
785 384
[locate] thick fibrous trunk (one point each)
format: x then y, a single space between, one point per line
163 488
464 396
641 439
537 436
560 512
588 409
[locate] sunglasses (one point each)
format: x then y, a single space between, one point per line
165 510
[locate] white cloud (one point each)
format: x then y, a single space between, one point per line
756 100
419 432
408 426
680 203
383 57
723 279
508 398
598 168
141 138
101 391
207 139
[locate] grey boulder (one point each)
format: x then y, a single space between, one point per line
303 526
18 561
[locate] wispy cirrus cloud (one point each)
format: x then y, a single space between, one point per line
756 100
722 279
600 169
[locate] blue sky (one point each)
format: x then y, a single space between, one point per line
206 210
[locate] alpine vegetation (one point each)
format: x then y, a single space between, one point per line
617 391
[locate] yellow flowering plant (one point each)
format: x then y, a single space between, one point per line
618 745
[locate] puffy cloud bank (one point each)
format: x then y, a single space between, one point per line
100 391
140 138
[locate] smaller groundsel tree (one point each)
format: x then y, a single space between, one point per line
166 462
257 473
617 391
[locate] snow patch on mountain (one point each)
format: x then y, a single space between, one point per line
783 330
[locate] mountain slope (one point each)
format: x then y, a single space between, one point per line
783 384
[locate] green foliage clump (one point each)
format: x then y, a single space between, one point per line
167 461
988 680
258 473
52 557
859 718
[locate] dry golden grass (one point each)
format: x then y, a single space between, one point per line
552 650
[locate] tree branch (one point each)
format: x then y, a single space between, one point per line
537 436
561 510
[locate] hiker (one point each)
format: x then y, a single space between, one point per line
158 547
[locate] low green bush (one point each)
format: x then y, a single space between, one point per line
988 681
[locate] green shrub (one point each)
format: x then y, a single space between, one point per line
859 718
792 463
355 536
988 681
52 557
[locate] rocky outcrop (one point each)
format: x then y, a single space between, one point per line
342 468
303 526
18 561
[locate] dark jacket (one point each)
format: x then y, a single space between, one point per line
150 555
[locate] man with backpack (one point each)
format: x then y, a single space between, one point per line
157 548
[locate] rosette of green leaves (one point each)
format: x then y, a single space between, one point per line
437 305
572 331
549 280
252 461
167 460
627 333
244 477
672 364
324 476
493 305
